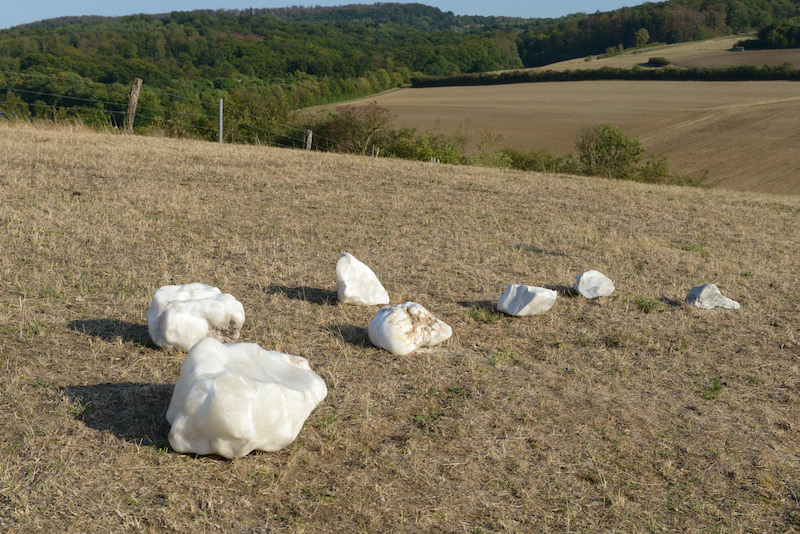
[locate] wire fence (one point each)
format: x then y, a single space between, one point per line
41 96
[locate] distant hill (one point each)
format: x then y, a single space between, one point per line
273 60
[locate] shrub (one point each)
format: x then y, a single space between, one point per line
355 128
540 161
657 62
407 143
608 151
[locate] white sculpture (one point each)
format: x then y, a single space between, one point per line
180 316
593 284
357 284
403 328
231 399
526 300
708 296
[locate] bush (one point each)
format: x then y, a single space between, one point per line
607 151
355 129
540 161
657 62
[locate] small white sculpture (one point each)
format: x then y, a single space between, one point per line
403 328
231 399
357 284
180 316
708 296
526 300
593 284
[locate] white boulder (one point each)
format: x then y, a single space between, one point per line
357 284
593 284
708 296
526 300
180 316
231 399
403 328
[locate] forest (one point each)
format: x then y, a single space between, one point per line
267 62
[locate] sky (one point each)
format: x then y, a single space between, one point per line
15 12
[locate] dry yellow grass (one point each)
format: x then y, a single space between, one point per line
633 413
536 116
695 53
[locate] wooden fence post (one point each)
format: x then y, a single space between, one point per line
309 135
133 99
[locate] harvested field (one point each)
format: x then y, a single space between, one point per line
771 58
632 413
694 53
549 116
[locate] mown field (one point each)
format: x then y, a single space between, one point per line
714 53
706 129
628 414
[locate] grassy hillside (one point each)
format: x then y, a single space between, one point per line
674 118
632 413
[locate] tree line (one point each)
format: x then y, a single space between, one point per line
269 62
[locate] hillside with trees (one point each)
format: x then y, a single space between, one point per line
267 62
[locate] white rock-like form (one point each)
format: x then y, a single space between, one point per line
234 398
357 284
523 300
708 296
593 284
180 316
403 328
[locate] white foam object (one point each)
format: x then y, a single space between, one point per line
181 315
357 284
524 300
593 284
403 328
231 399
708 296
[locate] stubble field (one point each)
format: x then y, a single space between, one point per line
632 413
706 129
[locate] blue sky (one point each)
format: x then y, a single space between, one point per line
14 12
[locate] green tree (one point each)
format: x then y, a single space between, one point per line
642 37
608 151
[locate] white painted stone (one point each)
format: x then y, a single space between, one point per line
526 300
231 399
708 296
403 328
357 284
593 284
180 316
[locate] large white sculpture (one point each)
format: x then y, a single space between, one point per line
708 296
403 328
357 284
231 399
593 284
523 300
180 316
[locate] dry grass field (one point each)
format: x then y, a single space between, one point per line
710 129
713 53
634 413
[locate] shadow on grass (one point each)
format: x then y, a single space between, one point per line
675 303
112 329
352 334
132 411
308 294
528 248
563 291
487 305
